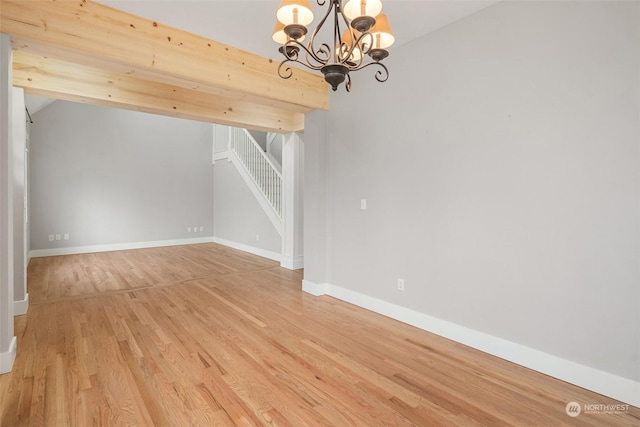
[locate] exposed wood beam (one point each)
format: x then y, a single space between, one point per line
63 80
104 38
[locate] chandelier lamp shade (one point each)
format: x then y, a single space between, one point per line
359 38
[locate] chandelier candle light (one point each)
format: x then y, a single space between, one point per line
364 41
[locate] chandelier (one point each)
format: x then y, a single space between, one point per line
362 43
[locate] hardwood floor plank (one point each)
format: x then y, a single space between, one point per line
207 335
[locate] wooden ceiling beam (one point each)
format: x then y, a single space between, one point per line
73 82
100 37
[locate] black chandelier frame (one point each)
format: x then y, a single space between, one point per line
335 64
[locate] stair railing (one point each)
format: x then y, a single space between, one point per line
264 173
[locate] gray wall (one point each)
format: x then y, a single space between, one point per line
19 226
501 163
238 217
27 189
260 137
317 230
110 176
275 149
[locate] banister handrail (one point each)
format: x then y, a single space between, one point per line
264 155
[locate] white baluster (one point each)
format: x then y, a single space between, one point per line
257 164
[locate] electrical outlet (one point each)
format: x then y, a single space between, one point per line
195 229
201 228
188 229
66 236
51 237
257 237
401 284
363 204
57 237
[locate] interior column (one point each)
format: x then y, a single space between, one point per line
7 339
292 171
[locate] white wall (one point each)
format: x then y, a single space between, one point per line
108 176
501 164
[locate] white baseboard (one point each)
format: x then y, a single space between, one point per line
117 247
250 249
314 288
616 387
7 358
292 263
20 307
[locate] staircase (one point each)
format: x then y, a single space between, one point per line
260 172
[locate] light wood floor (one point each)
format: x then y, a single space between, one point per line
204 335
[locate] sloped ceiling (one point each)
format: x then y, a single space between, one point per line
248 24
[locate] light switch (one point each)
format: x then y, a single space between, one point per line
363 204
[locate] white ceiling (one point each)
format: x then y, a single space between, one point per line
248 24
